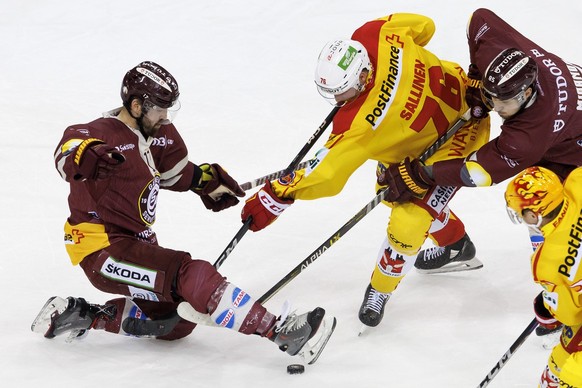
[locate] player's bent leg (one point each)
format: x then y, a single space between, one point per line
391 267
231 307
146 318
75 317
454 250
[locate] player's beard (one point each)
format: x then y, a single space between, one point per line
148 127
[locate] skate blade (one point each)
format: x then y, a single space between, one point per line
455 266
313 348
42 322
363 329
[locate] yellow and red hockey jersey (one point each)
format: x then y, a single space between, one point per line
556 264
412 98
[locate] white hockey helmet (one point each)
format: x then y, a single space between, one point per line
339 65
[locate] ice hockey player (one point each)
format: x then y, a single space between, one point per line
396 99
538 97
115 166
536 198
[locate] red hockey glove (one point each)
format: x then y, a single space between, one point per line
96 160
405 180
473 94
543 315
217 189
264 207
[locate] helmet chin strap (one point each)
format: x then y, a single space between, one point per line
529 101
536 227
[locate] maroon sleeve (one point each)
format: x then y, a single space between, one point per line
488 35
177 172
64 154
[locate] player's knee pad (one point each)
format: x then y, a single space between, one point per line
391 267
196 281
408 228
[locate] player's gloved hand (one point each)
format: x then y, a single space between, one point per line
96 160
473 96
405 180
264 207
217 189
543 315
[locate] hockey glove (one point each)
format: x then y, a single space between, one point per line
405 180
96 160
217 189
473 96
543 315
264 207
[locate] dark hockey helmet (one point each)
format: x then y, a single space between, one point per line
149 82
509 74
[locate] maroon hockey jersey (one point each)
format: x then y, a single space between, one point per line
548 133
125 204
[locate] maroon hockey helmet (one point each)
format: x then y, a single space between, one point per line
509 74
150 82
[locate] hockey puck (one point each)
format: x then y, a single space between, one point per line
295 369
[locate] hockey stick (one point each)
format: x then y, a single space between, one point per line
186 311
272 176
430 151
292 166
512 349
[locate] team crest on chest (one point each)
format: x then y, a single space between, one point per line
148 201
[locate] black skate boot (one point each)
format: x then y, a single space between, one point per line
459 256
372 308
72 315
293 334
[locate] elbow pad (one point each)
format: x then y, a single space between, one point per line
474 175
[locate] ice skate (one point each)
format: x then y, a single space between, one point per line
72 315
59 316
305 335
459 256
372 308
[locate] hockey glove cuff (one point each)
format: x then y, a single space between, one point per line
264 207
473 96
217 189
405 180
543 315
96 160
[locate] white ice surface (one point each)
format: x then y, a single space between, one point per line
245 71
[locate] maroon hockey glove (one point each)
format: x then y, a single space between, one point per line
217 189
473 94
543 315
96 160
405 180
264 207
